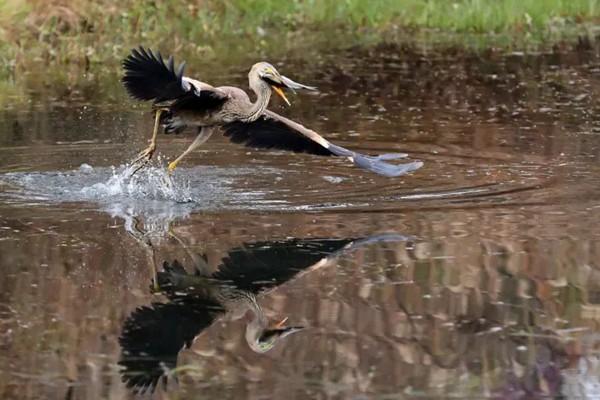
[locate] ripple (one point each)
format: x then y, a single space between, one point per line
113 188
282 187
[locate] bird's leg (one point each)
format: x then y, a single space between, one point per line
142 238
146 155
200 263
203 135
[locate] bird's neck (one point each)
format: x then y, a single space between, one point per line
256 326
263 95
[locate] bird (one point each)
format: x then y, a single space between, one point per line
181 102
152 336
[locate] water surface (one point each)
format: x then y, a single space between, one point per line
476 275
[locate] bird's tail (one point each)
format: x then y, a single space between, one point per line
148 77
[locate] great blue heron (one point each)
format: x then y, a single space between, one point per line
187 102
153 336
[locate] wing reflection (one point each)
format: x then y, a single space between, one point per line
153 336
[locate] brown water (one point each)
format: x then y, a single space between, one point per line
475 276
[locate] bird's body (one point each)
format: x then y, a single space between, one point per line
236 99
182 102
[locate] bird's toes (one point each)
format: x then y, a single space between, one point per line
171 167
144 155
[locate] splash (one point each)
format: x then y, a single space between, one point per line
150 191
151 183
102 184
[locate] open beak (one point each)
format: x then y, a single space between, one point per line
290 330
281 323
278 90
281 330
280 82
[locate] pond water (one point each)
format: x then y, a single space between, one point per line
477 275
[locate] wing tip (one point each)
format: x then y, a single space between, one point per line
147 76
376 165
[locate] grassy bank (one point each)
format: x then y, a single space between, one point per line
86 35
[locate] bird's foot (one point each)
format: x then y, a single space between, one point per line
172 166
155 287
145 155
142 159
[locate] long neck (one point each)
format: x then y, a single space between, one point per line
256 326
263 95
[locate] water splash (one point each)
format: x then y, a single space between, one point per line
151 183
100 184
150 191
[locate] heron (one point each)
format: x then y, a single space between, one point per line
181 103
198 296
152 336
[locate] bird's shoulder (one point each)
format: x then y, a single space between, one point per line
234 93
199 87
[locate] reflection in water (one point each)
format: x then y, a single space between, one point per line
460 310
153 335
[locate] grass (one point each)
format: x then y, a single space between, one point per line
93 36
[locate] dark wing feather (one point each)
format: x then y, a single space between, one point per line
262 265
273 131
148 77
153 336
268 132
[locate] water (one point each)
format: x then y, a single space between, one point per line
476 275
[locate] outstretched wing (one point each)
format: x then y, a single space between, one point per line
148 77
262 265
273 131
153 336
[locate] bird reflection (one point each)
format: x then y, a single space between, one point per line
153 335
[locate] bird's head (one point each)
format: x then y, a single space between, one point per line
266 339
268 74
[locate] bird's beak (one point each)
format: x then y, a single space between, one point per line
280 333
281 330
280 82
288 330
270 336
280 324
278 90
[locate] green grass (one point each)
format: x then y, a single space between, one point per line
86 35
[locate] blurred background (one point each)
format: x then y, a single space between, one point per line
69 44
